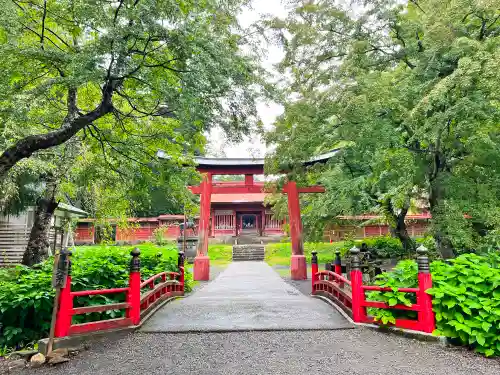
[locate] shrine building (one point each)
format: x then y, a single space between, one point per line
234 214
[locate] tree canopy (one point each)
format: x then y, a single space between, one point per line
91 91
142 74
409 92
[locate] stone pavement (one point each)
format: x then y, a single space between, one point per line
247 296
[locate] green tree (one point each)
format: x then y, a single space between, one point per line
101 68
410 93
116 82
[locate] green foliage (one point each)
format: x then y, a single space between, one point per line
466 300
123 75
100 88
26 294
404 275
159 235
384 246
409 93
279 253
465 294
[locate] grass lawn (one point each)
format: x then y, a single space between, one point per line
220 254
280 253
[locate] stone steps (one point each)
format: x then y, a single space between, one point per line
248 252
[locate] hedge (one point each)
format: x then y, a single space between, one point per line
26 294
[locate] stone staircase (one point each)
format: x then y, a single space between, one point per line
254 252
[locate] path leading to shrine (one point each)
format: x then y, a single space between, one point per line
247 296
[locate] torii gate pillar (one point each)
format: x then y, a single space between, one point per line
298 265
201 266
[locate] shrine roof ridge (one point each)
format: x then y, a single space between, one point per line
204 161
211 162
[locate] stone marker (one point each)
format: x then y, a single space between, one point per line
37 360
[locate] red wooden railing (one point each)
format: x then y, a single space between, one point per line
350 296
137 305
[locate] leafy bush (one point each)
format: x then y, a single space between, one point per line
466 299
404 275
390 247
26 294
385 246
159 236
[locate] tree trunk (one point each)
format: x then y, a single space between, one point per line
401 233
443 242
38 244
398 226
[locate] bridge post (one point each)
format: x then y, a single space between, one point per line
338 266
201 267
64 316
329 267
426 317
134 288
298 268
358 294
314 269
180 265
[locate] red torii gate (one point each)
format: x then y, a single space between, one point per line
209 167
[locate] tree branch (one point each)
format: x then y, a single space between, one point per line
44 15
27 146
116 12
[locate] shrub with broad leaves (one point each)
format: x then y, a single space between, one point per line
27 296
404 275
466 299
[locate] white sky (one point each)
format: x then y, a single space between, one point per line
253 146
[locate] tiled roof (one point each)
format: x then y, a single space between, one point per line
422 216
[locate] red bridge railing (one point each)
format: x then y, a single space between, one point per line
350 296
141 297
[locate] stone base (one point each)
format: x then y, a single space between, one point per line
201 268
298 267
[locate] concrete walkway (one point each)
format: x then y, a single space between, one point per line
247 296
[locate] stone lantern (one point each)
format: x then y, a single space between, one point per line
191 245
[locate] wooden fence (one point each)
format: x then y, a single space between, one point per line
13 242
14 239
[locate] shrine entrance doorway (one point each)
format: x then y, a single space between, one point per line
248 223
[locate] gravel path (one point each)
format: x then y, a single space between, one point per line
358 351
